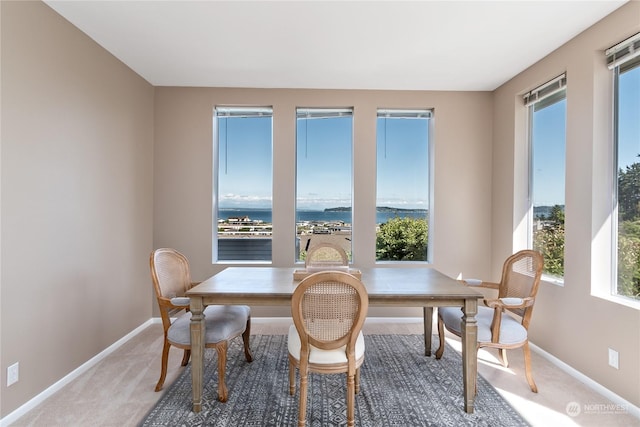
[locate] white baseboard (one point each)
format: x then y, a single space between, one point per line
618 400
13 416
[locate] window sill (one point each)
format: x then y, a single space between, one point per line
617 299
557 281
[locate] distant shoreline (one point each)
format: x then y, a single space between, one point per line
378 209
326 216
336 209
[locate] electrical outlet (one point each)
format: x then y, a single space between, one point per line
13 374
613 358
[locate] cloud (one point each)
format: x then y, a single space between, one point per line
244 201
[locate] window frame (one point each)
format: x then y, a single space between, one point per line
235 111
631 64
417 113
320 113
551 92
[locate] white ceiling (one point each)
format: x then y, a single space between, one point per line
412 45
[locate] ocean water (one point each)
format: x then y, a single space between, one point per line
320 216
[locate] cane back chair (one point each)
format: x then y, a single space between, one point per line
326 256
328 309
171 279
517 291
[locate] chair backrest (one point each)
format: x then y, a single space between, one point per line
171 278
329 309
326 255
521 275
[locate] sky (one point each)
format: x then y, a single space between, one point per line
549 132
629 147
402 163
245 159
549 154
324 150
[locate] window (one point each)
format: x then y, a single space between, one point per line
547 142
324 141
403 187
242 184
624 59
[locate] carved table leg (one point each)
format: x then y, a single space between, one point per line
197 350
469 352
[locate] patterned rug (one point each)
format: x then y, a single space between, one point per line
399 386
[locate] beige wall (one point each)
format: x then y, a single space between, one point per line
95 171
570 322
76 174
462 150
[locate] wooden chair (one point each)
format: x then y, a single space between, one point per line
496 329
171 279
328 310
325 256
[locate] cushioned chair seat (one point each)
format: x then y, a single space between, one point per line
223 322
323 357
511 331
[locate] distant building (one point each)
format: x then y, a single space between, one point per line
245 220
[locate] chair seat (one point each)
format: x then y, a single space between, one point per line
223 322
511 331
323 357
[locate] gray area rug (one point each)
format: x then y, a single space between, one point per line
399 386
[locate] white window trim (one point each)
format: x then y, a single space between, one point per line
230 111
546 90
311 113
631 49
426 113
623 52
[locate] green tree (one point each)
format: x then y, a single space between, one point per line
629 262
549 241
557 215
402 239
629 231
629 193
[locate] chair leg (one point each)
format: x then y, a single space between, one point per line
350 400
185 357
502 354
245 339
440 349
302 407
527 367
357 380
165 359
292 377
221 349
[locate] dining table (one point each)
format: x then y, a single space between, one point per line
423 287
